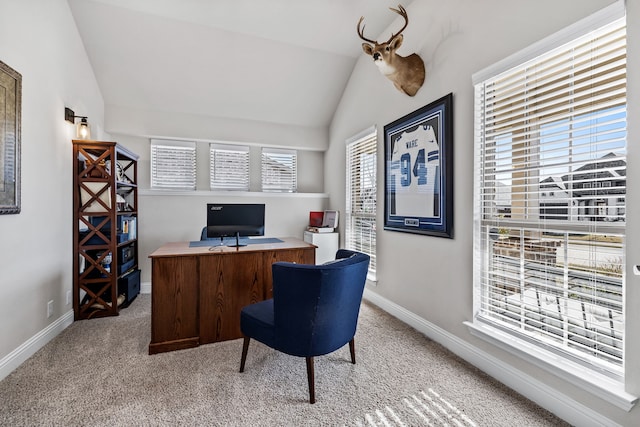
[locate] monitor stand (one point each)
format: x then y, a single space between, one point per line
238 244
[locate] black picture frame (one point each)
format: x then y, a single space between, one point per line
10 108
418 179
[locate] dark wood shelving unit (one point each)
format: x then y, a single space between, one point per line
105 224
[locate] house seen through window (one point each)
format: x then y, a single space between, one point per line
279 170
551 171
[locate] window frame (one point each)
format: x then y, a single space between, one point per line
231 172
271 180
363 238
601 383
182 180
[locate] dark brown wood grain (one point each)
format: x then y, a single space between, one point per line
197 293
174 300
228 282
299 256
95 226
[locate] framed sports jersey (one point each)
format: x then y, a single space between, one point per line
418 151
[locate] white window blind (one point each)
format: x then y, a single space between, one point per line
361 191
550 199
279 170
229 167
173 165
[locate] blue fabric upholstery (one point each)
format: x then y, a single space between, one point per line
203 234
258 322
314 310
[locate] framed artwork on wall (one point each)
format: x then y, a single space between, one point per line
10 107
418 152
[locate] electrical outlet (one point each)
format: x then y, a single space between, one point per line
68 297
49 309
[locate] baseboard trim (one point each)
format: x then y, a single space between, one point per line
145 287
18 356
549 398
545 396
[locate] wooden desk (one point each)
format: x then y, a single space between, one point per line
197 293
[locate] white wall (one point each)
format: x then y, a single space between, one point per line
428 276
179 218
432 277
38 38
310 163
170 216
158 124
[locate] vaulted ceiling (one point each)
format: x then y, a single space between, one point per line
280 61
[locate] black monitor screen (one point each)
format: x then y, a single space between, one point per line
235 219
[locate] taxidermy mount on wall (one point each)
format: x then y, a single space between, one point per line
406 73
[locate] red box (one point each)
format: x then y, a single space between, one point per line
315 219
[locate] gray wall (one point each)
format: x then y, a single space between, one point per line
39 39
428 276
171 216
431 277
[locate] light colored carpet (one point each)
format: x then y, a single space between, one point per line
98 373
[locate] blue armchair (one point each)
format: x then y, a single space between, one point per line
314 309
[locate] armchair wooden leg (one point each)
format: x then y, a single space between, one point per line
352 349
245 349
311 379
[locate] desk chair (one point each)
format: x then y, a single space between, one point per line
203 234
313 312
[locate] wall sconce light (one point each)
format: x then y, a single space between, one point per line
82 130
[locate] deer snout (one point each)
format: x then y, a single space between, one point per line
376 56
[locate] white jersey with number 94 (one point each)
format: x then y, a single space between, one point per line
414 170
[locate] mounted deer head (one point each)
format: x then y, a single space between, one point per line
406 73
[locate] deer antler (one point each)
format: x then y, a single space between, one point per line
406 72
402 12
361 32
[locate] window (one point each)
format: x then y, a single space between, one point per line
228 167
550 273
173 165
360 221
279 170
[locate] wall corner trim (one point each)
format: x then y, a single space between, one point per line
18 356
145 288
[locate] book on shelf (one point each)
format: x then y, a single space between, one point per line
128 228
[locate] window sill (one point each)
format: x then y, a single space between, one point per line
595 383
228 193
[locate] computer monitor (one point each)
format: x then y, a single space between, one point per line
235 219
